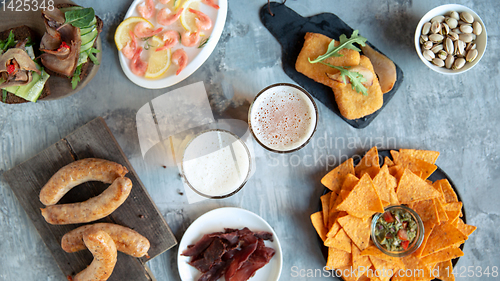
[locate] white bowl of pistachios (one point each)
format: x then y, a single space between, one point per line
450 39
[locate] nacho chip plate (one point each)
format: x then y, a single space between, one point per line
437 175
292 41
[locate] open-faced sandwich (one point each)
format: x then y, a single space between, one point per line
358 81
68 45
67 49
22 78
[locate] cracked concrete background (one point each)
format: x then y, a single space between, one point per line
456 115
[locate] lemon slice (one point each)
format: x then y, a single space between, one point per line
158 62
188 20
122 35
177 3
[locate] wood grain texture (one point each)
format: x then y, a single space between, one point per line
138 212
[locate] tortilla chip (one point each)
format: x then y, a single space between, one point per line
428 228
396 171
335 178
368 161
466 229
357 229
337 258
325 204
443 236
427 211
316 44
346 273
340 241
333 230
412 188
363 200
385 184
413 264
443 255
444 270
449 194
358 261
317 221
372 172
437 186
373 251
383 268
425 155
443 217
388 162
415 165
332 209
350 182
453 210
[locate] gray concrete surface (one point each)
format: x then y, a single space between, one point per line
456 115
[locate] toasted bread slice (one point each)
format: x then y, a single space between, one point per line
354 105
316 44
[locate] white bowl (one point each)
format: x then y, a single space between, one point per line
443 10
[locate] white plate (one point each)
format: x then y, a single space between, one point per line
218 219
196 56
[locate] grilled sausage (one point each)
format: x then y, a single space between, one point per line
78 172
103 249
127 240
93 209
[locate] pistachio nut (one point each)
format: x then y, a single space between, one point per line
438 62
428 55
465 16
466 28
454 15
448 63
436 37
477 28
435 27
471 55
451 22
466 37
438 19
426 28
459 63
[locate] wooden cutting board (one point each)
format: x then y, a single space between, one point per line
138 212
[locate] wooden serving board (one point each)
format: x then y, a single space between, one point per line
289 28
138 212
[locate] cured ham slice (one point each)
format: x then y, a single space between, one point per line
15 68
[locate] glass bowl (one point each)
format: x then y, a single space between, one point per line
417 242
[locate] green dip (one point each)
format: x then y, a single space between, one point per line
395 230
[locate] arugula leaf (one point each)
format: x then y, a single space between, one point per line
79 18
203 43
76 77
344 44
9 42
4 95
356 78
91 53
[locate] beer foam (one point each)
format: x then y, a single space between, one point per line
216 163
283 118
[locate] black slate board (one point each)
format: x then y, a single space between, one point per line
289 28
438 174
